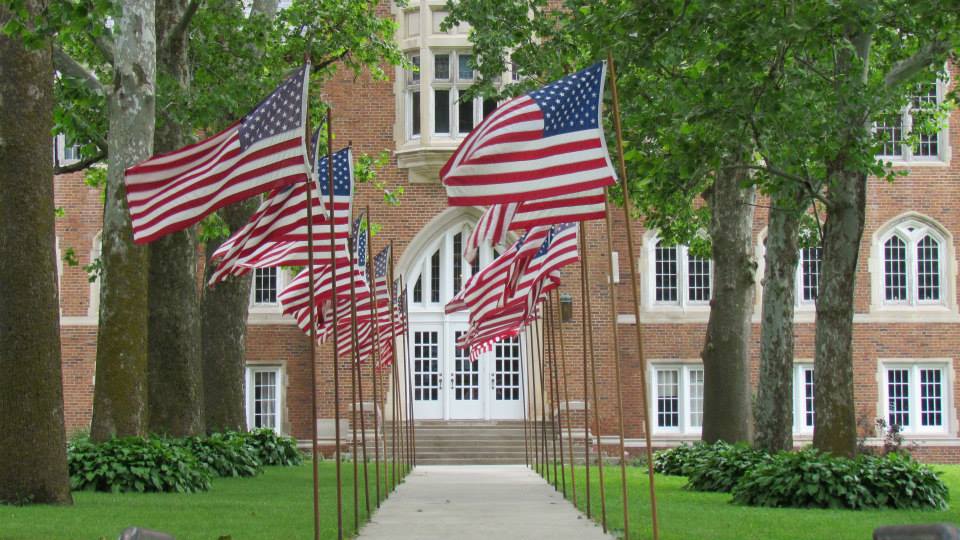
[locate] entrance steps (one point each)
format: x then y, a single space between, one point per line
498 442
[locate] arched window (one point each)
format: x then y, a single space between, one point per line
912 265
442 271
679 277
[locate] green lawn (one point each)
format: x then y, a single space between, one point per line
275 504
687 514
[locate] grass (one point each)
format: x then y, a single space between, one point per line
275 504
688 514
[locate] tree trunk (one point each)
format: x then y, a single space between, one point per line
224 331
33 459
120 394
835 423
774 409
726 352
175 361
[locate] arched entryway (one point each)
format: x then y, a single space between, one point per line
446 385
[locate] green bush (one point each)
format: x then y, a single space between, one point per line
272 449
225 454
677 461
720 466
135 464
809 479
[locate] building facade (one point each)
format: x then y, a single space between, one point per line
907 324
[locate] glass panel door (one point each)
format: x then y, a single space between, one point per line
427 374
506 378
466 392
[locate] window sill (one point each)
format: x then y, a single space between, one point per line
908 314
903 164
424 162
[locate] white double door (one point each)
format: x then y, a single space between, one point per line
447 385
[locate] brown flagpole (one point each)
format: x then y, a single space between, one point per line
566 397
593 379
393 368
526 434
408 380
544 394
617 375
533 398
627 211
585 313
315 452
393 408
375 321
555 393
402 428
359 377
353 385
336 337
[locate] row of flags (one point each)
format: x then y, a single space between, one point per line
539 161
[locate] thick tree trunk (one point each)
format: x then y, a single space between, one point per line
726 353
774 408
33 459
835 423
120 394
224 315
175 361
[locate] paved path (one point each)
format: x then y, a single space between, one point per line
501 502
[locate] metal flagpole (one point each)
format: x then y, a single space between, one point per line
375 321
526 434
593 379
617 375
394 297
393 408
544 446
359 377
531 366
353 386
336 337
313 341
585 313
627 211
566 397
555 395
400 418
408 379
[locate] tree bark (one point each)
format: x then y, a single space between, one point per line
174 351
773 413
224 331
835 423
726 352
120 394
33 459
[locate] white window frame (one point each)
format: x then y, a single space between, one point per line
684 370
249 394
906 123
422 269
454 85
60 148
800 300
283 277
800 408
946 396
683 301
911 239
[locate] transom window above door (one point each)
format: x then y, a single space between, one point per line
441 270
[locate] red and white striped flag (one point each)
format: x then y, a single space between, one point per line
264 150
544 144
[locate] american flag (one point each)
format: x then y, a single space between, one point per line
264 150
488 283
276 235
541 145
381 288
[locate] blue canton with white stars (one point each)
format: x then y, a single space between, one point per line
571 103
281 111
342 182
360 240
555 231
380 263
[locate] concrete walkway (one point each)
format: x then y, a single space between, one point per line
478 501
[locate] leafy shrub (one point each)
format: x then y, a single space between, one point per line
135 464
225 454
720 466
677 461
272 449
809 479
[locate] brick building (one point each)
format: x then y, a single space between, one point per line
906 322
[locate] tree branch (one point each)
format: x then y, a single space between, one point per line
105 46
71 68
908 67
182 24
80 165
